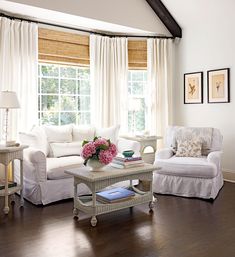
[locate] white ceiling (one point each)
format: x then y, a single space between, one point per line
70 20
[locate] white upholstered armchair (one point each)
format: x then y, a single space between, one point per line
190 176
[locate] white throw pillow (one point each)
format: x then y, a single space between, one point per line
65 149
108 133
36 139
59 134
83 132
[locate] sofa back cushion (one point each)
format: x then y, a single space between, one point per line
36 138
83 132
108 133
211 138
217 140
59 134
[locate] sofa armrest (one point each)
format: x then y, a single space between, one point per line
127 144
38 159
164 153
215 157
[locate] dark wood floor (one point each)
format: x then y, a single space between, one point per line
179 227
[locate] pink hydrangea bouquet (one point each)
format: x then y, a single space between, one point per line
99 149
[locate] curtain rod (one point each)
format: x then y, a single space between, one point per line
78 29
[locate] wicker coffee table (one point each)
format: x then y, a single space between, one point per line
98 180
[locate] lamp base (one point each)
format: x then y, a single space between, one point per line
8 143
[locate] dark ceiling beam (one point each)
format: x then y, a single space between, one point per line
165 16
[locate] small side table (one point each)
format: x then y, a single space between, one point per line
146 141
7 155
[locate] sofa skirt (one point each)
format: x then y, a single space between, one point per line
55 190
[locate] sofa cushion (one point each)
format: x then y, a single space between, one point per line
59 134
57 166
66 149
187 167
108 133
83 132
36 138
40 132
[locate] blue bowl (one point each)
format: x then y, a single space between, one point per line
128 153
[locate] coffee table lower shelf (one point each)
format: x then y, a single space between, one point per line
86 205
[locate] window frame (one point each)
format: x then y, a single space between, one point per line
143 97
59 94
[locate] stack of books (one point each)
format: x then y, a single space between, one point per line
127 162
10 184
114 195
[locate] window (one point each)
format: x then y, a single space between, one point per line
64 94
137 82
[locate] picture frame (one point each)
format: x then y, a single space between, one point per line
193 88
218 86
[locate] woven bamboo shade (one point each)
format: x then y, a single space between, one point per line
137 54
69 48
63 47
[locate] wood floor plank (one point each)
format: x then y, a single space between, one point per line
179 227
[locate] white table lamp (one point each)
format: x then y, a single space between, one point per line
8 100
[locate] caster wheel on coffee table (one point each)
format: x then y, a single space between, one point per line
75 213
93 221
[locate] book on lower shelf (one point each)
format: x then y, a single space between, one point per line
10 184
114 195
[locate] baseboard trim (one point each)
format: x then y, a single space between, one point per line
229 176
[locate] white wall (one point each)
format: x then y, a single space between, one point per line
132 13
208 43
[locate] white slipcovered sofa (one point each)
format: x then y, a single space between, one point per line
190 176
53 149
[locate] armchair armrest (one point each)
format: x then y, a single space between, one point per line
164 153
38 159
215 157
127 144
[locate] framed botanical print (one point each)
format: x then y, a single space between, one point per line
218 86
193 88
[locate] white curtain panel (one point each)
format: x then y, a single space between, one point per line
18 71
160 65
109 69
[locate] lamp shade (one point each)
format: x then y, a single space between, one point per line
9 100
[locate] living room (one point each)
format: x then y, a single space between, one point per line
148 76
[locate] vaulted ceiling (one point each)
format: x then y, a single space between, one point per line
132 17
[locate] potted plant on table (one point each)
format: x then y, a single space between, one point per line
98 153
